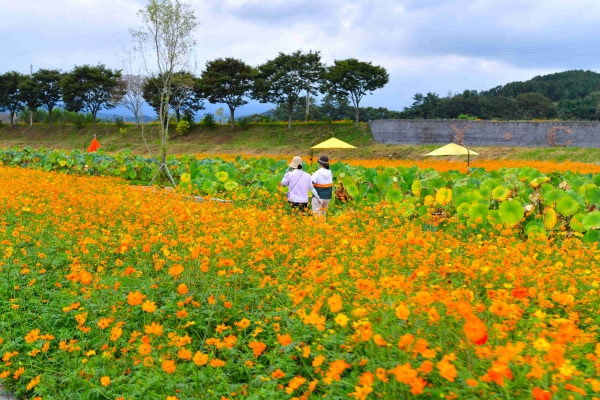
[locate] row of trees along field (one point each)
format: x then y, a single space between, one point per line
282 80
570 95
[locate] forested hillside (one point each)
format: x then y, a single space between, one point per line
569 95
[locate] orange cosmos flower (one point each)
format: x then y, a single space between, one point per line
154 329
257 348
447 370
168 366
184 354
476 331
335 303
105 381
145 349
200 359
182 289
402 312
18 373
284 340
176 270
34 382
32 336
243 324
217 363
277 374
149 306
135 298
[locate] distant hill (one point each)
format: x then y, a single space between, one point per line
569 95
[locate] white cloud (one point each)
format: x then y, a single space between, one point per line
463 44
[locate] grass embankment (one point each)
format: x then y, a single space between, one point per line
268 139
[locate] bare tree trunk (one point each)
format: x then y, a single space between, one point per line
12 119
232 113
50 116
94 118
357 117
290 110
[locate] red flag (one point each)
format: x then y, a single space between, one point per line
94 146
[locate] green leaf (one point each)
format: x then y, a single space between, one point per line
511 212
500 193
394 196
535 230
576 223
372 198
591 221
416 187
462 211
567 206
550 219
230 185
222 176
478 210
352 190
443 196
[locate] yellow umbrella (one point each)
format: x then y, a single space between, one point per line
453 149
332 143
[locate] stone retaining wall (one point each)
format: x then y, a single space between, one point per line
487 133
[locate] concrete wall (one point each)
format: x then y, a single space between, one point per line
487 133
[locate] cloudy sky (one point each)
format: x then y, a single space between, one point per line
426 45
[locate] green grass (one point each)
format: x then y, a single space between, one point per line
267 139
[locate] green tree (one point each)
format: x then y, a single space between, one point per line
184 97
227 81
281 80
354 79
91 88
43 89
535 106
336 107
11 97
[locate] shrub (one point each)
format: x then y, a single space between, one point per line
119 121
244 123
79 120
183 126
468 117
209 121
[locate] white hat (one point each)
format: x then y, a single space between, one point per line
295 162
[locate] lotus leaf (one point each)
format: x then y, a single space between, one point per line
511 212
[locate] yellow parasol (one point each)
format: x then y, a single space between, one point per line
453 149
332 143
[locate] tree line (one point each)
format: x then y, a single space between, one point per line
569 95
287 80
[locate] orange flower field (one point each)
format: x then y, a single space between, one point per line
113 292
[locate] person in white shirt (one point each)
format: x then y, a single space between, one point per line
322 180
299 183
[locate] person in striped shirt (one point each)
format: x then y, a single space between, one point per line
322 181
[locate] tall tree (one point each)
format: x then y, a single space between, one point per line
91 88
227 81
11 97
165 43
185 99
281 80
132 86
43 89
336 107
354 79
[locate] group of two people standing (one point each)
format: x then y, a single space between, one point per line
299 182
